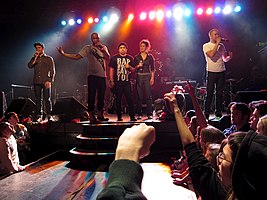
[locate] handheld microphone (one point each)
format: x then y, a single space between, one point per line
224 40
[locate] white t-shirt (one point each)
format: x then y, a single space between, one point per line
216 63
9 158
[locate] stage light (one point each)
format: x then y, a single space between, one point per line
130 17
152 15
143 16
96 20
217 10
159 15
178 13
209 11
227 9
90 20
105 19
200 11
237 8
114 18
71 22
79 21
63 23
168 13
187 12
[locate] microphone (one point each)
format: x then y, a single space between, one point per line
224 40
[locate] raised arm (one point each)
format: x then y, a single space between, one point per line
125 174
185 134
69 55
201 120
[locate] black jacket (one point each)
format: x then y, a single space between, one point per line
250 168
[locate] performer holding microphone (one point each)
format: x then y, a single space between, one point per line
145 77
216 56
44 74
97 54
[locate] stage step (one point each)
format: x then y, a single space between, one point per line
106 129
82 137
85 152
98 142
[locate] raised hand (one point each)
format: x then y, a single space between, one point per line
135 142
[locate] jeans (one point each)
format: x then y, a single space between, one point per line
96 85
215 80
124 88
43 99
143 85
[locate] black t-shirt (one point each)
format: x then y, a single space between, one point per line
118 62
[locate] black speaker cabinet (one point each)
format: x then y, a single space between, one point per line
23 107
249 96
68 108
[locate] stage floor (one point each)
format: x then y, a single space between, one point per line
52 178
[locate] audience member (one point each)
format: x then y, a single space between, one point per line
9 159
210 135
21 135
225 120
125 174
260 110
239 175
212 151
262 125
240 114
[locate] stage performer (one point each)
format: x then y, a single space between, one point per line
120 68
145 77
97 55
216 56
44 74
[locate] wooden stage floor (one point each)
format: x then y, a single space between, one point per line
51 178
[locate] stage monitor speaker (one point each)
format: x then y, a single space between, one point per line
249 96
68 108
23 107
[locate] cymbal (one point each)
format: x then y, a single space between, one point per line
231 80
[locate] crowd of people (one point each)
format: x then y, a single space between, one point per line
220 164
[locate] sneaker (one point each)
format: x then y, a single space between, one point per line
149 117
92 118
39 120
218 114
100 116
133 119
207 115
